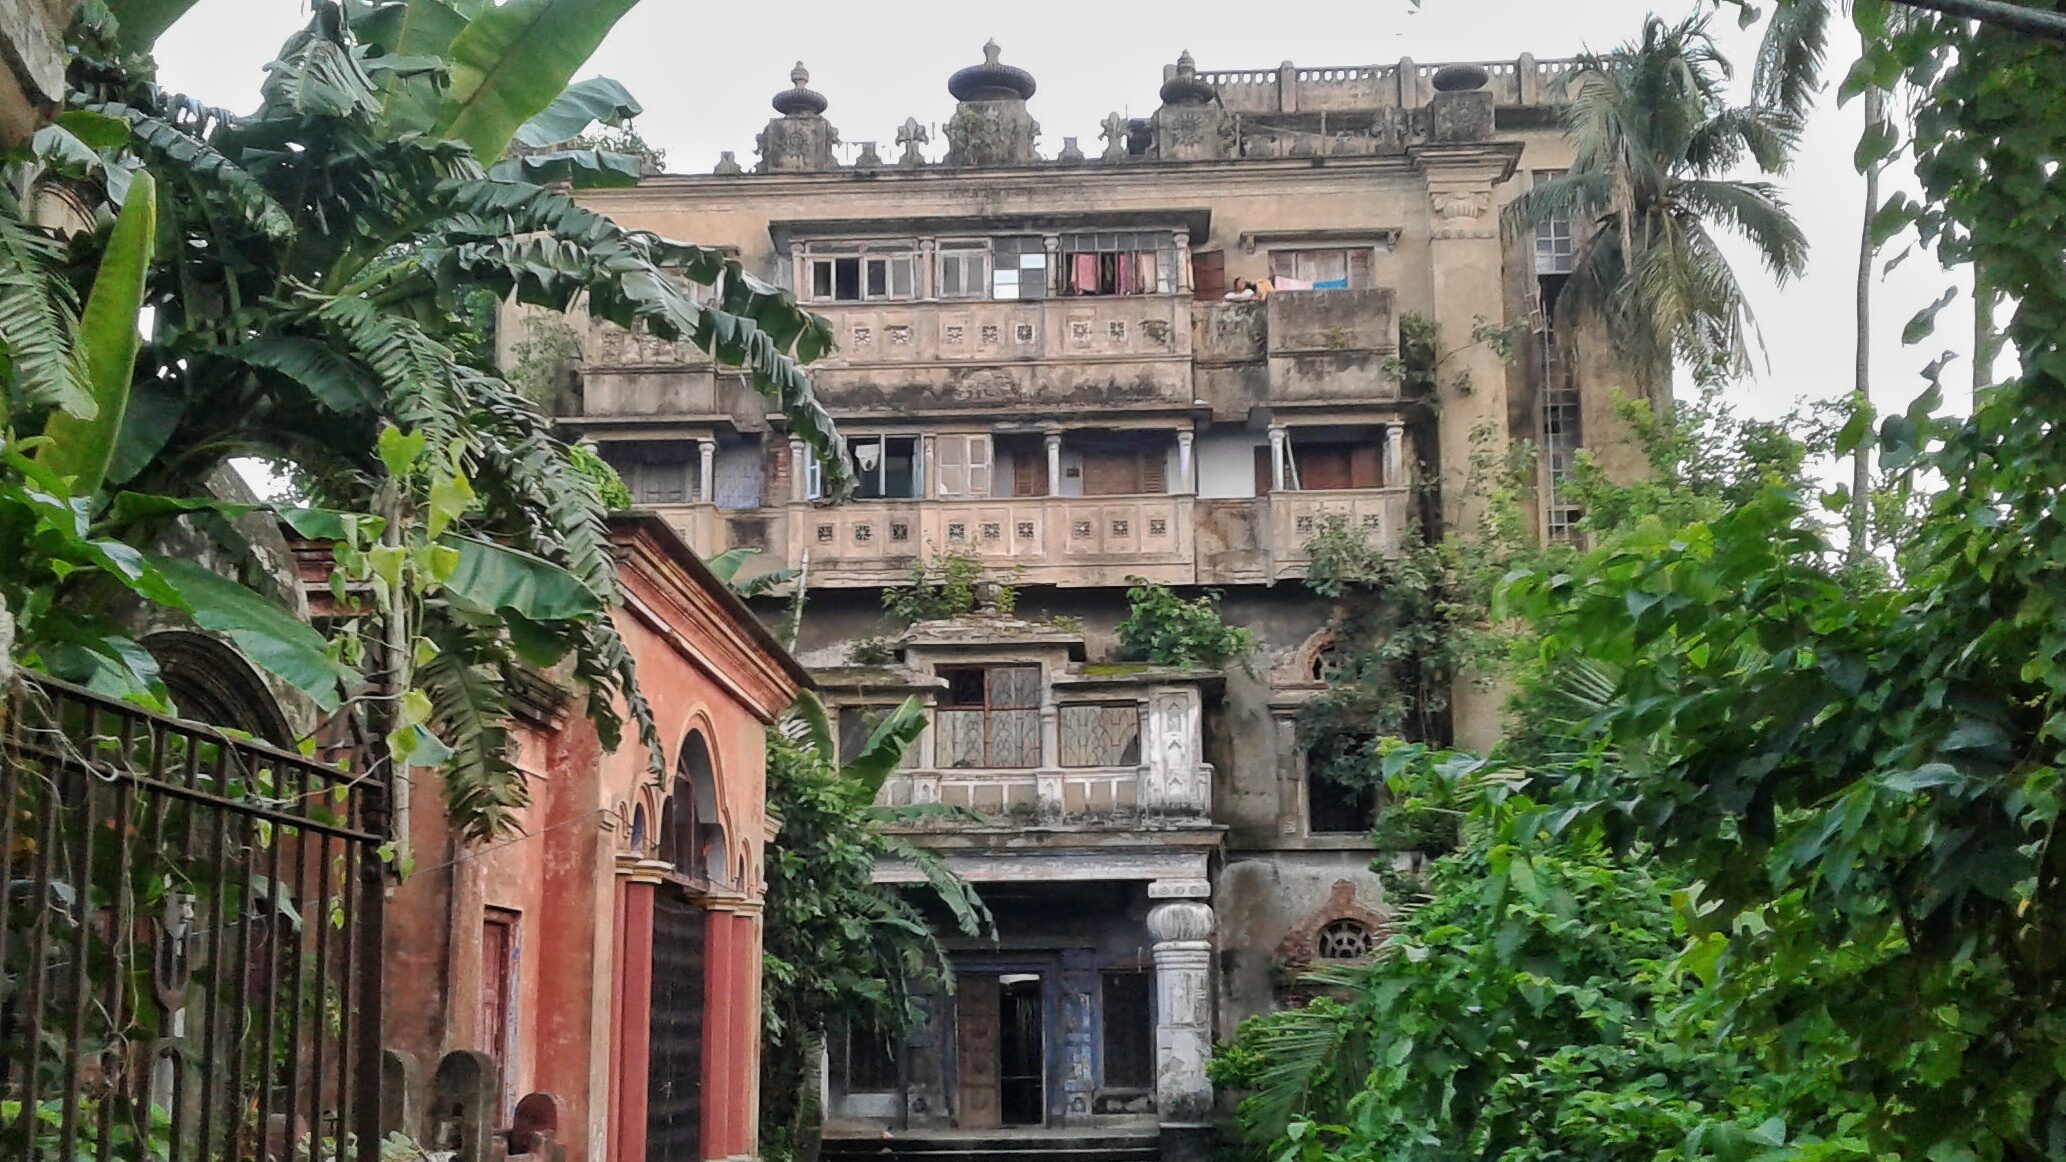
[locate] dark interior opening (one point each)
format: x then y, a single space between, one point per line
1022 1052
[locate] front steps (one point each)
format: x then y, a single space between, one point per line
1022 1144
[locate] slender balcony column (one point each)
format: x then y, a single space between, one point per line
1277 437
1054 463
706 474
923 276
1183 262
1395 455
1186 464
927 459
799 274
799 468
1052 243
1182 927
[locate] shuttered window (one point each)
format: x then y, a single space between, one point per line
963 463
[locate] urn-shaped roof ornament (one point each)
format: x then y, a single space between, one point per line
799 100
991 80
1184 86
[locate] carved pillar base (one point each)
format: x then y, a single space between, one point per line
1183 1018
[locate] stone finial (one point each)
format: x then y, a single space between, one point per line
798 100
727 164
991 80
912 136
1113 134
1071 152
1183 87
869 159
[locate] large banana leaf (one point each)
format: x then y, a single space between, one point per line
410 30
864 773
583 169
492 577
280 643
579 105
82 445
511 61
139 23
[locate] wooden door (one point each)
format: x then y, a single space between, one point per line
1209 273
674 1071
976 1002
1029 474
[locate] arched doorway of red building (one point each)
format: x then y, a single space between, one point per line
692 840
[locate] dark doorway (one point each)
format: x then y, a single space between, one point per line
1022 1051
674 1077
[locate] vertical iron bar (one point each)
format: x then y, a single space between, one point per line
118 970
10 810
322 983
190 778
319 916
39 949
80 970
239 1033
268 1052
217 953
347 969
373 882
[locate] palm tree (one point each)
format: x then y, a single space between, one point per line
1650 186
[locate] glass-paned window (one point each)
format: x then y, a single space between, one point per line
1553 239
1128 1030
873 274
1019 269
1119 263
961 461
886 465
1101 736
964 271
1561 435
988 717
1335 268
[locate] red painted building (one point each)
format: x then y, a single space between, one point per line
610 955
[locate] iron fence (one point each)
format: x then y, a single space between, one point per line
190 941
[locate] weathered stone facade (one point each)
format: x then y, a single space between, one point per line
1047 364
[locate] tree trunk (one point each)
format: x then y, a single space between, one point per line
1861 386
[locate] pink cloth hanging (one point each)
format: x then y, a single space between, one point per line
1083 273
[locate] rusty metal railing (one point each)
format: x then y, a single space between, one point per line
190 941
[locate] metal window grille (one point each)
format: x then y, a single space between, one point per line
1554 243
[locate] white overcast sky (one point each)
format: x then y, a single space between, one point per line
705 72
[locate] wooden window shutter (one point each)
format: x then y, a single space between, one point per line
1029 475
953 456
978 465
1154 473
1366 466
1208 273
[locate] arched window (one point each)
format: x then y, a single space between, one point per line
1344 940
638 827
692 838
211 682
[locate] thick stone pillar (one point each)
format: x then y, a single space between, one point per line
1182 924
641 878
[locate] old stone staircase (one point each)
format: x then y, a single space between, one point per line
1022 1145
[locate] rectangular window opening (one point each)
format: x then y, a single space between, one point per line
989 718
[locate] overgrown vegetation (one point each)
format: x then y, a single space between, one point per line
840 948
1168 630
947 584
1791 825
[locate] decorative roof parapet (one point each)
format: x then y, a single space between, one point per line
800 140
991 125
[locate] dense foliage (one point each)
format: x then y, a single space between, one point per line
1168 630
314 274
840 948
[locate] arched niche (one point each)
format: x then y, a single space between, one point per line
692 836
210 682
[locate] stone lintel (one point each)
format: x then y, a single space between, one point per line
1060 867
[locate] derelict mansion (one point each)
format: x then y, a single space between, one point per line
1039 363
